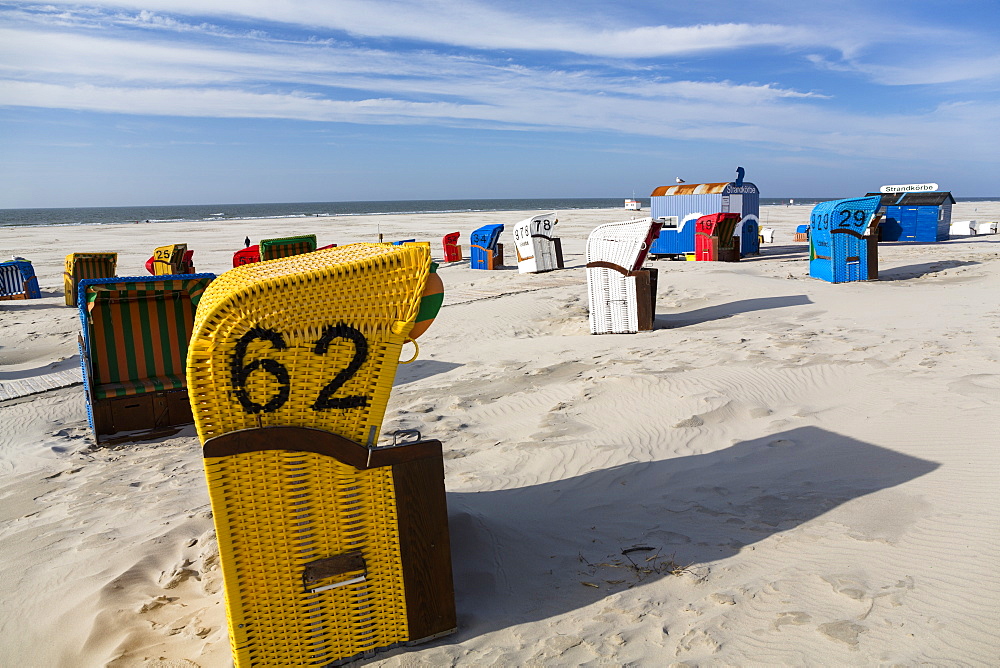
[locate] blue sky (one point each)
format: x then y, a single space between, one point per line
138 102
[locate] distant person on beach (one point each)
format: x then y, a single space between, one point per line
246 242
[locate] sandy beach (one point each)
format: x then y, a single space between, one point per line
815 467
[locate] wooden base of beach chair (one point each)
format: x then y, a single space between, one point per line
800 236
729 254
872 241
152 412
645 296
9 297
495 261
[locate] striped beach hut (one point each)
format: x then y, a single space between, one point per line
737 196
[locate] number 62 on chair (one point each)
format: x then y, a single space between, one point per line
331 546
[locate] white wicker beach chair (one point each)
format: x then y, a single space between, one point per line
963 228
767 235
986 228
537 247
622 294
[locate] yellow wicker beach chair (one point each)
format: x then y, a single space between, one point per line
331 547
80 266
172 259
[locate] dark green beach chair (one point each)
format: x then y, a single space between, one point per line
272 249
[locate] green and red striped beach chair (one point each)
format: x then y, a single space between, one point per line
133 351
272 249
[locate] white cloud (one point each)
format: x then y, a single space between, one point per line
192 68
464 24
945 69
51 56
798 126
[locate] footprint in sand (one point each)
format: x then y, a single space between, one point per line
795 618
843 631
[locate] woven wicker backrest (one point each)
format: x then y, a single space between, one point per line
373 288
272 249
625 244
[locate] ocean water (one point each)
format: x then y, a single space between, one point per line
215 212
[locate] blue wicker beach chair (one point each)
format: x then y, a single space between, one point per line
17 280
843 247
486 252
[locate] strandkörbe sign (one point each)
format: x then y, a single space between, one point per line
912 188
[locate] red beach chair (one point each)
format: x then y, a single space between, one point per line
247 255
452 249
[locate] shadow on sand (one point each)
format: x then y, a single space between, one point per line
521 555
917 270
723 311
768 251
28 304
68 364
408 373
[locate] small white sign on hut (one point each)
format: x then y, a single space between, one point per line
910 188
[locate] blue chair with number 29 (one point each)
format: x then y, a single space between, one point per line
842 248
